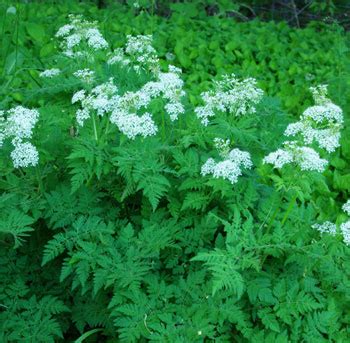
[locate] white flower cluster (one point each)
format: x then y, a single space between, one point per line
346 208
133 125
138 53
326 227
306 158
50 73
78 32
85 75
331 228
123 109
238 97
222 146
231 167
345 227
320 123
19 126
345 230
102 99
167 86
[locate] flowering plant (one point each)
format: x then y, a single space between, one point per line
162 222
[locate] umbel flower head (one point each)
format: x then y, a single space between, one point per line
124 109
24 154
50 73
304 157
326 227
331 228
231 167
345 227
138 54
345 230
85 75
78 35
320 123
102 99
237 97
19 128
346 208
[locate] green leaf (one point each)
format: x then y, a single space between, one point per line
13 61
36 31
86 335
17 224
269 319
154 187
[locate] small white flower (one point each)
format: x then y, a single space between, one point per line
346 207
306 158
208 167
204 113
309 159
50 73
229 168
174 109
2 138
86 75
19 126
133 125
241 158
64 30
279 158
319 93
95 39
77 33
138 54
82 115
327 113
24 155
321 123
2 128
345 229
20 122
326 227
222 146
328 139
73 40
175 70
78 96
231 95
118 56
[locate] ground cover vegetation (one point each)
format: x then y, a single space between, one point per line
172 178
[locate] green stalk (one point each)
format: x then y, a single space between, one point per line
39 178
95 128
289 209
163 127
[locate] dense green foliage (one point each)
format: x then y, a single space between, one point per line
119 240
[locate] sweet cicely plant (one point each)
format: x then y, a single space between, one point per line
156 220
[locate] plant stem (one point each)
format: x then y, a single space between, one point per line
163 127
289 209
39 177
94 125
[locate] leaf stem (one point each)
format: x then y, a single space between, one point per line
94 125
39 177
289 209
